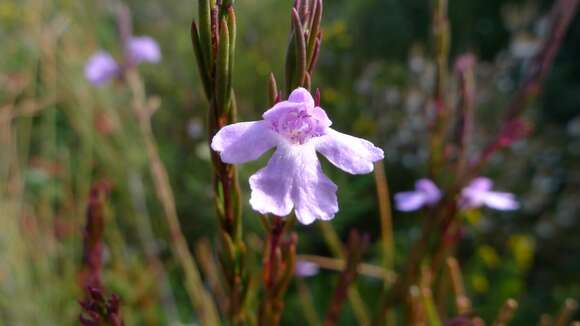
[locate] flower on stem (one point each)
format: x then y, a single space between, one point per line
306 268
102 67
293 178
478 193
426 193
143 49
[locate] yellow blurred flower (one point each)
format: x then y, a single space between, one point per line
522 248
480 283
472 216
488 255
337 32
329 95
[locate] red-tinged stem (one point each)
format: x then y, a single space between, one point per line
93 237
357 245
563 11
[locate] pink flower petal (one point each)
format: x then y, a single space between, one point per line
409 201
503 201
314 195
272 185
244 141
351 154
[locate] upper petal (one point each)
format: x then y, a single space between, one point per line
278 109
503 201
300 98
272 185
471 198
429 189
314 195
481 183
244 141
409 201
351 154
301 95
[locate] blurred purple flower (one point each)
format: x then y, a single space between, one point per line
101 68
293 178
478 193
306 268
143 49
426 194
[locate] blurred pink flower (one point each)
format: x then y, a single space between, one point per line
293 178
143 49
306 268
101 68
426 194
478 193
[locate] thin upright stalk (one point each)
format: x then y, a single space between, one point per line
213 37
357 246
387 241
201 300
388 245
441 38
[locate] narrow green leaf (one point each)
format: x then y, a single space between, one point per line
232 26
222 69
313 32
300 49
290 64
204 31
201 66
272 89
307 81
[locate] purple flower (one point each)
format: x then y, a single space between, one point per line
426 193
478 193
101 68
293 178
306 268
143 49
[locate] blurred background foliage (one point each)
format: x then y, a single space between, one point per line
58 135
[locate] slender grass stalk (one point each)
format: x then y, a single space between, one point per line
337 264
333 243
570 306
506 313
201 300
387 241
441 39
307 304
357 245
462 301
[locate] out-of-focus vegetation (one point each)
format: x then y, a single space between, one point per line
59 135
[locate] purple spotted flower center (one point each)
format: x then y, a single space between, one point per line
297 125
